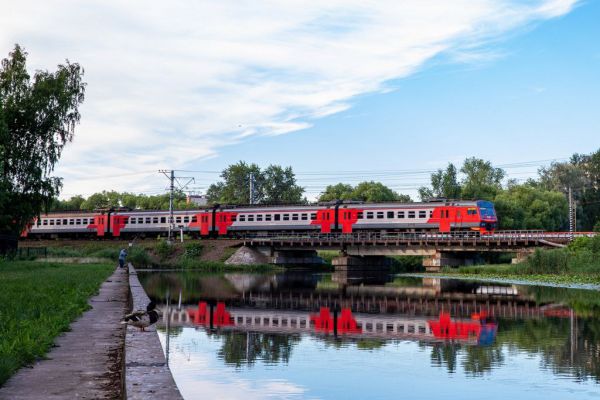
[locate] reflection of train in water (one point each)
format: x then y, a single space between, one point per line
445 216
475 331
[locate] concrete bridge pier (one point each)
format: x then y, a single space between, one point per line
295 257
435 262
361 269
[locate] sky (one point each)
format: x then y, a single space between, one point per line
342 91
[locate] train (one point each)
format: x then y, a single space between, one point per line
237 221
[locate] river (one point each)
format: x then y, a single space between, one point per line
306 335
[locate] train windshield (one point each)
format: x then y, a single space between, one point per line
486 209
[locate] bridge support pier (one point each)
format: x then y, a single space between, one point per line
295 257
435 262
360 269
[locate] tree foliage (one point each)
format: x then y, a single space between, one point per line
530 207
364 191
444 184
481 180
274 185
37 119
112 199
582 174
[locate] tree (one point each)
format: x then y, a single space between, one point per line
582 175
529 207
37 119
235 188
376 192
481 180
280 186
274 185
444 183
364 191
340 191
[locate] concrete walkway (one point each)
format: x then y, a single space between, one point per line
87 361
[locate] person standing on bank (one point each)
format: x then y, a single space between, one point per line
122 256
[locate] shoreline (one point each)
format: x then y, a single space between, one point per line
544 280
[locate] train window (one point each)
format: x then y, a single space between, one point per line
155 220
65 221
71 222
390 214
52 222
194 219
313 216
360 215
294 217
400 214
430 213
233 218
369 215
148 220
186 220
379 214
276 217
411 214
422 214
85 221
177 220
286 217
58 222
259 217
304 217
251 218
242 218
163 220
45 222
267 217
78 221
132 220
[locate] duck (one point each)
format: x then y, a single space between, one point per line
142 319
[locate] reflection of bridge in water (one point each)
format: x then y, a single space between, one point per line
458 298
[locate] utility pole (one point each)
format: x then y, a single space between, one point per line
170 174
570 213
251 188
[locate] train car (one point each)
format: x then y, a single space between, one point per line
225 221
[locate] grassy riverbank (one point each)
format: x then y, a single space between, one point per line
37 302
513 272
205 255
578 263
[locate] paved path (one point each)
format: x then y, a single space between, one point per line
86 364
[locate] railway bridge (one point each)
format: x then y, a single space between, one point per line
370 250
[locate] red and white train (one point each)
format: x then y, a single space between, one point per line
237 221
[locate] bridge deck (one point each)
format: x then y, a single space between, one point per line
454 241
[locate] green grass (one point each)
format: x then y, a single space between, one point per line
37 302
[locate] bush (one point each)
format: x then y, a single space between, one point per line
597 227
547 262
139 257
192 250
164 250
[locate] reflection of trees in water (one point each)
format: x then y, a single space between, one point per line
479 360
241 348
445 355
550 338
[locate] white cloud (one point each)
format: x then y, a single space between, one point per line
173 81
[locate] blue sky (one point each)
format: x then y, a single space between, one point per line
349 92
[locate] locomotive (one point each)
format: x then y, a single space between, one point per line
236 221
